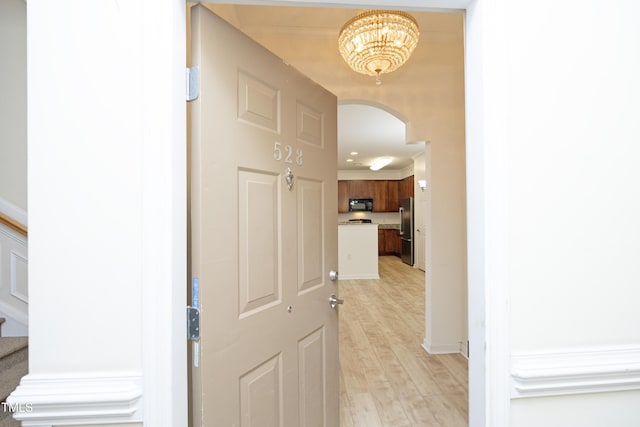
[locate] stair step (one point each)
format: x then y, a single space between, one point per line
7 420
11 379
14 363
9 345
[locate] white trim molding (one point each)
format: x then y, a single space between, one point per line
442 348
13 211
46 400
18 288
576 371
14 283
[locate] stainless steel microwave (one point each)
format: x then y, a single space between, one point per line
360 205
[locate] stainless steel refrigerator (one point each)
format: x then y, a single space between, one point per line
406 230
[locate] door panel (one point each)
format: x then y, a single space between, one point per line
311 366
258 232
310 232
310 125
258 103
261 395
263 236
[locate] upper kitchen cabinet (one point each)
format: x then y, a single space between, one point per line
380 194
343 196
393 199
406 188
361 189
386 194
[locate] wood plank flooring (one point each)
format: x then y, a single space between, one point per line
386 378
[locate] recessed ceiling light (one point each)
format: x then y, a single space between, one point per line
353 153
349 160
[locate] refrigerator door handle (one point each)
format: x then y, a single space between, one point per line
401 221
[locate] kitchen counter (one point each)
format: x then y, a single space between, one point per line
380 226
358 251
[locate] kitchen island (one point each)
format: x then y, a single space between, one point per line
358 251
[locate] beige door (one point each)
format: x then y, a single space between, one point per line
264 236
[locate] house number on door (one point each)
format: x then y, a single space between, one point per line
286 153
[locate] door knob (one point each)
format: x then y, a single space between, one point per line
333 275
334 301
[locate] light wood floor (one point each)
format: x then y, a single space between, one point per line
386 377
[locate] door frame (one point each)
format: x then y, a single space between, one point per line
487 215
161 221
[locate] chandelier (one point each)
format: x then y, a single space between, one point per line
378 41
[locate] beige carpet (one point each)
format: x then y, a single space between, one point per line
14 364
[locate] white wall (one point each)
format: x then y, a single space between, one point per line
107 200
446 280
557 132
85 184
446 245
13 108
589 410
574 194
419 214
552 149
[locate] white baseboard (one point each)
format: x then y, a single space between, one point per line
575 371
441 348
43 400
13 313
16 324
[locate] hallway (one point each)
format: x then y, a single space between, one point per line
386 377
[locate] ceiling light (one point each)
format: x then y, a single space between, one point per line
354 153
378 41
380 163
349 160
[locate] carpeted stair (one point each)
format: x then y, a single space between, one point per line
14 365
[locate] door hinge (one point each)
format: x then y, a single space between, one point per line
193 83
193 323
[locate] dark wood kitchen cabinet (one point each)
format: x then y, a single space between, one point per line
392 242
343 196
406 188
380 193
386 194
361 189
388 242
393 199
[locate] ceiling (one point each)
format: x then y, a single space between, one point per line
306 38
372 133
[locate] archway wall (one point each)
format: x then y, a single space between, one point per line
430 99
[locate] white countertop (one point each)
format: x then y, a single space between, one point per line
380 226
